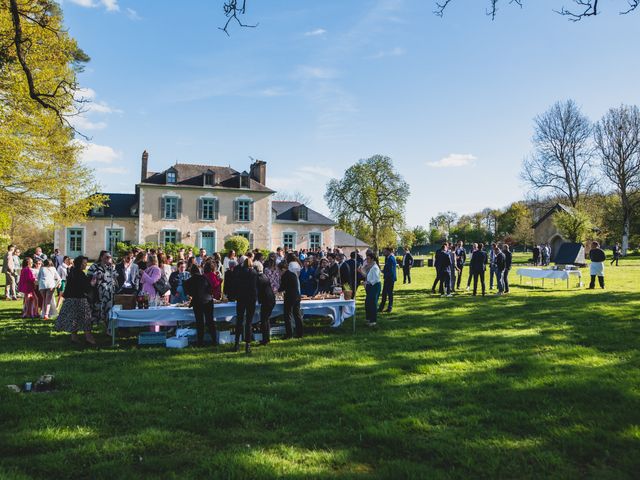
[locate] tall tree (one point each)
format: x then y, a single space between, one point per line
371 191
617 136
40 171
562 158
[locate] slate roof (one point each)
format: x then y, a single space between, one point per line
285 213
192 175
119 205
558 207
344 239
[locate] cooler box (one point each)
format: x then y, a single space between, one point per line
177 342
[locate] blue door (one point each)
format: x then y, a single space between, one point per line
74 242
208 241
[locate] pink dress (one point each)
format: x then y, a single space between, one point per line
27 285
150 276
216 284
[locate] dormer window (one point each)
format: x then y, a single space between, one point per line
303 213
97 211
244 180
209 179
171 176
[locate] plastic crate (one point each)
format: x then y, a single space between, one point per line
278 331
225 337
177 342
152 338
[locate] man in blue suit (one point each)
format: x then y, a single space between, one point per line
390 277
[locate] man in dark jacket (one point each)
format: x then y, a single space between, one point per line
390 276
500 263
407 264
507 266
267 301
443 268
229 285
198 288
477 268
345 271
354 263
291 287
245 288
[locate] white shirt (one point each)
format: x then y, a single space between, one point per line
295 268
62 271
373 275
48 278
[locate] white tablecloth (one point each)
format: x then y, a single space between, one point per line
338 310
553 274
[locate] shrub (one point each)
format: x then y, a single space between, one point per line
170 248
237 243
47 249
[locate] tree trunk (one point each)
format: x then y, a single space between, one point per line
625 230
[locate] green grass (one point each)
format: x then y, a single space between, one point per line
542 383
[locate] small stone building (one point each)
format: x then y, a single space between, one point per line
545 230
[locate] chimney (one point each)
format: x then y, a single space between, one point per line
258 171
145 162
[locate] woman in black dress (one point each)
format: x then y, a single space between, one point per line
76 312
199 289
246 296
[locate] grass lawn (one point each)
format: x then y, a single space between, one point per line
542 383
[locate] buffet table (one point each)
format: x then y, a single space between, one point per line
542 273
171 316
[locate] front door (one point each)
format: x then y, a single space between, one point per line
208 241
74 242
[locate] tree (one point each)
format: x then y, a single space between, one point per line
561 161
421 235
617 137
522 231
41 176
585 8
294 196
407 238
371 191
237 243
575 226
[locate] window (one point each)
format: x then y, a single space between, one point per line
170 208
303 213
97 211
208 179
171 177
315 241
74 241
244 180
289 240
169 236
114 235
248 236
208 209
243 210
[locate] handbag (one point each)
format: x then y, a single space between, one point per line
162 286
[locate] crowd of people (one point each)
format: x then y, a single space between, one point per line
84 297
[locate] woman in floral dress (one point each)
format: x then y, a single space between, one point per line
103 278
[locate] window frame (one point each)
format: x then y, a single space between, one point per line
166 231
165 201
172 174
294 240
311 244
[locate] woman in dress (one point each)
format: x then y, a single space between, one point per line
272 273
212 273
323 277
75 314
164 263
27 286
150 276
372 287
48 281
103 280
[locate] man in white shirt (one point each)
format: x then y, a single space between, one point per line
202 257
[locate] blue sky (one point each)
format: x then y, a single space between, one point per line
319 85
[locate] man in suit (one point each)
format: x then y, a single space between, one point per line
454 266
536 254
492 264
390 276
617 251
290 285
407 264
507 266
461 260
354 263
128 275
443 268
345 271
477 268
267 300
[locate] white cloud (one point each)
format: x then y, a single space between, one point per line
109 5
308 72
132 14
394 52
272 92
454 160
90 107
315 33
81 123
94 153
